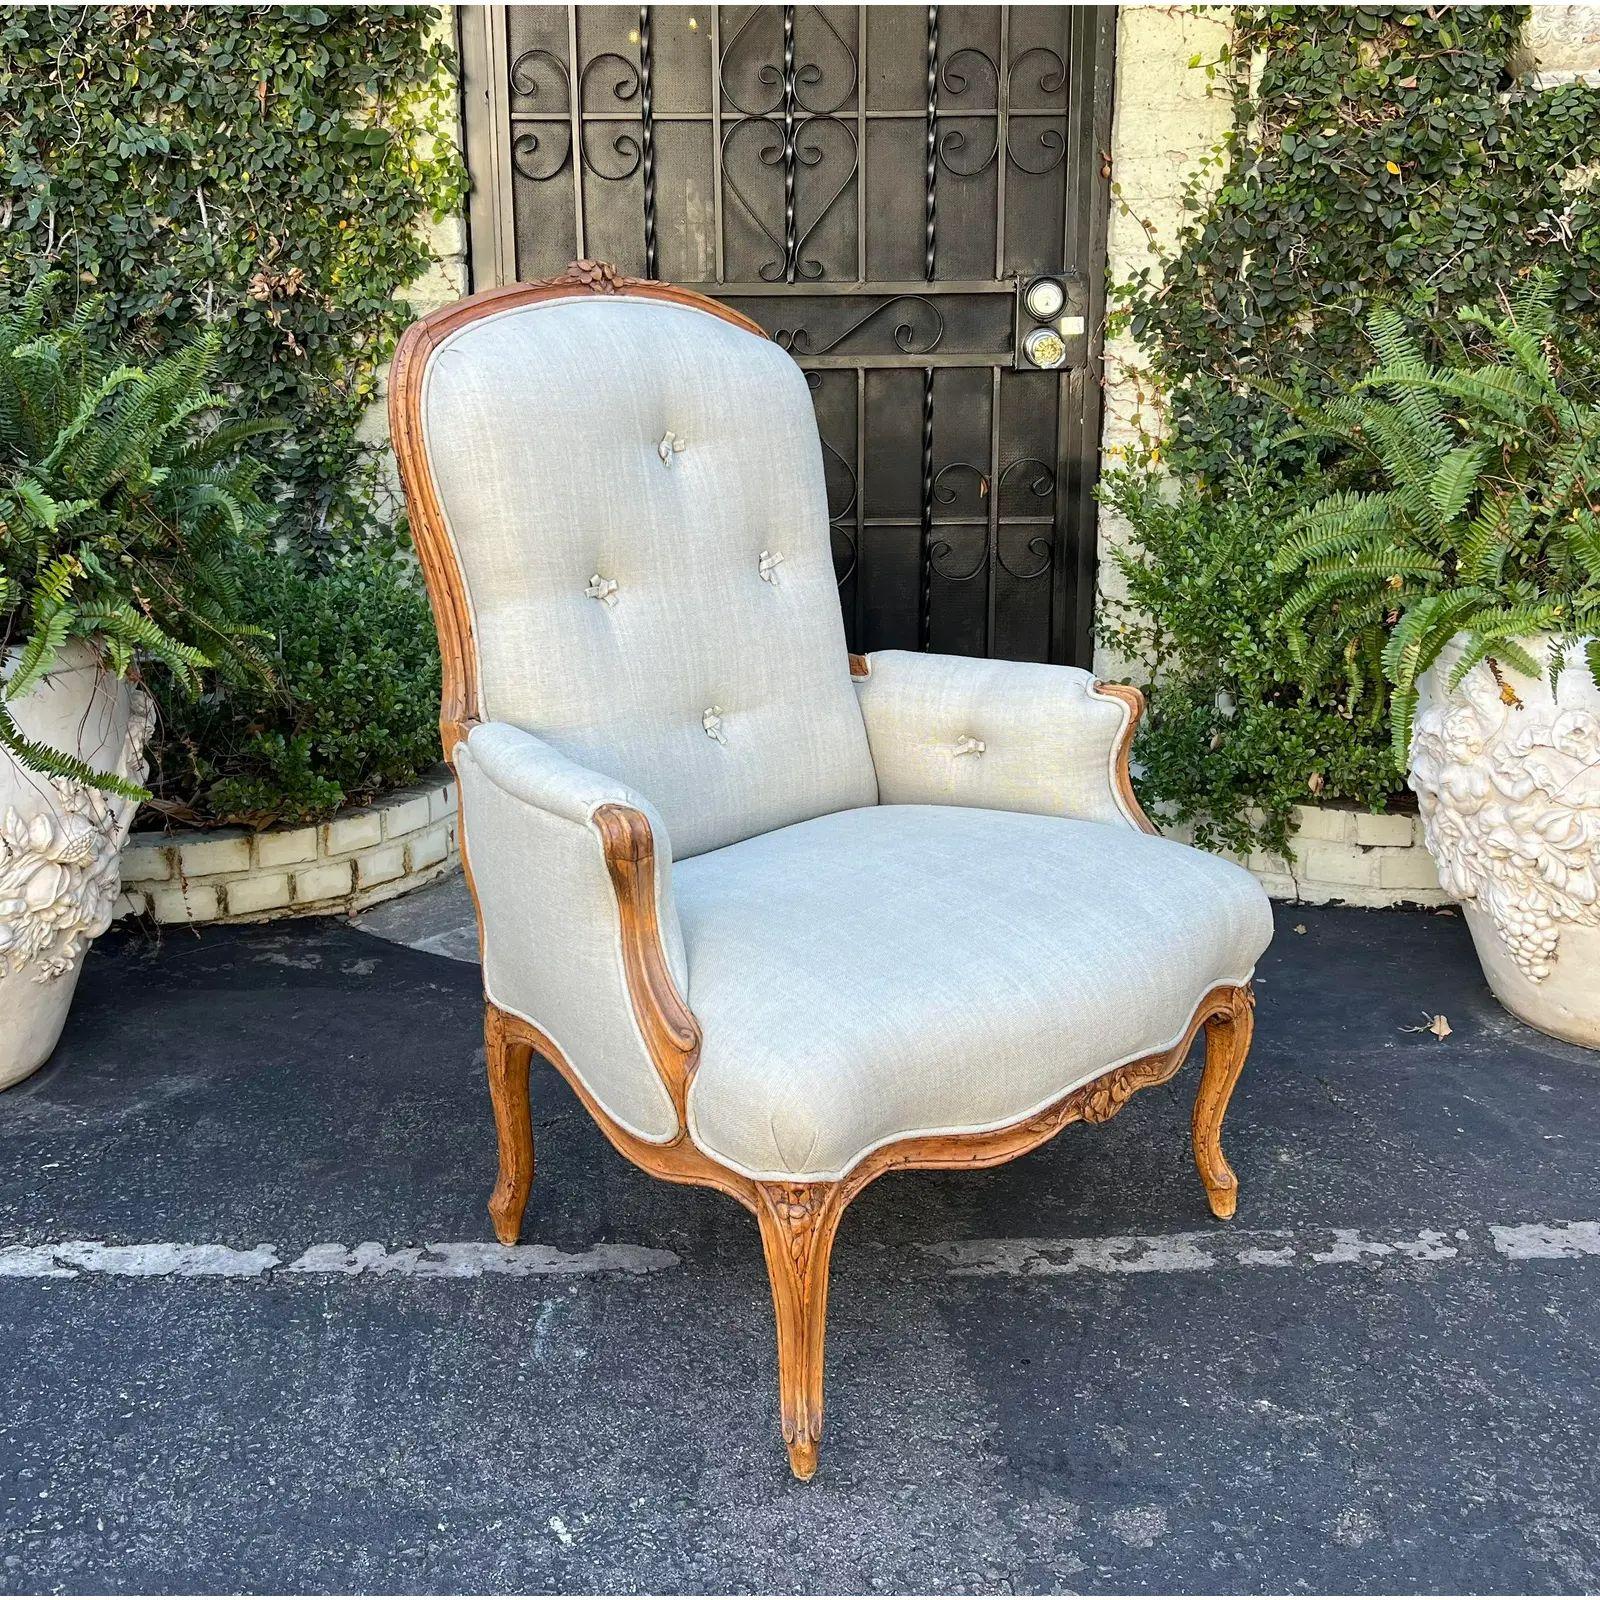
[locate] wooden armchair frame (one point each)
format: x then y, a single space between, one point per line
798 1221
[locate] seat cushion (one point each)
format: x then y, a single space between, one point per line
900 969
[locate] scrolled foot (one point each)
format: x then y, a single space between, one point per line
506 1206
1222 1192
803 1457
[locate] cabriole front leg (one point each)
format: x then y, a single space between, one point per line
1228 1038
798 1223
510 1057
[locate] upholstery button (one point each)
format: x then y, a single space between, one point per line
602 589
711 721
670 446
968 746
769 566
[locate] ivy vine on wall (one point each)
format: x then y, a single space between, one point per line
1375 153
1382 152
262 167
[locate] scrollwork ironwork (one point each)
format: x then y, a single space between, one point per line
948 494
1052 141
810 267
765 74
525 149
954 140
838 520
624 90
1041 546
942 548
623 145
1042 486
798 341
956 79
811 73
522 77
1051 80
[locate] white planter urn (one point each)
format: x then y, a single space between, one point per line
1507 776
59 844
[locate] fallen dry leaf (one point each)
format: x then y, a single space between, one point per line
1438 1025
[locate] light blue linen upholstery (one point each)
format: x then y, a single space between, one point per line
553 935
1009 735
552 433
906 969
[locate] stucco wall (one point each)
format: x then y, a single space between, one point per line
1166 116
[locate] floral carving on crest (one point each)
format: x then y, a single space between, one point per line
59 875
600 277
1510 802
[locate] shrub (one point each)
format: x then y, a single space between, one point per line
354 710
1239 732
121 499
267 171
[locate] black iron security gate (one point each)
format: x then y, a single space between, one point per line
910 199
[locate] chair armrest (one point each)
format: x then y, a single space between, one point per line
572 874
1001 735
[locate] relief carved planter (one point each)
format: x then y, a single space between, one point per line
59 844
1507 776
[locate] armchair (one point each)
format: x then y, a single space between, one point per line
716 861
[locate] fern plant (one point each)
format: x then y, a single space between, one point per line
121 497
1487 521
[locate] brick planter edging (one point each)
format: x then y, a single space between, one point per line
357 858
1344 856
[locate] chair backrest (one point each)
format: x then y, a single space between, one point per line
617 491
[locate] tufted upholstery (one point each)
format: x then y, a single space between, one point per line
1007 735
634 492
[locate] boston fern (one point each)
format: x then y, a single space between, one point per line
1488 521
120 501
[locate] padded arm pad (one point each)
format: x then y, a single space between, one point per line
1002 735
552 931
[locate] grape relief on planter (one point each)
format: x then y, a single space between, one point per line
59 874
1509 791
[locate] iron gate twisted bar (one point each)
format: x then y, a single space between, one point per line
929 261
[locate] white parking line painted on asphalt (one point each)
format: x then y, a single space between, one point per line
1223 1249
75 1258
1548 1241
1229 1248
